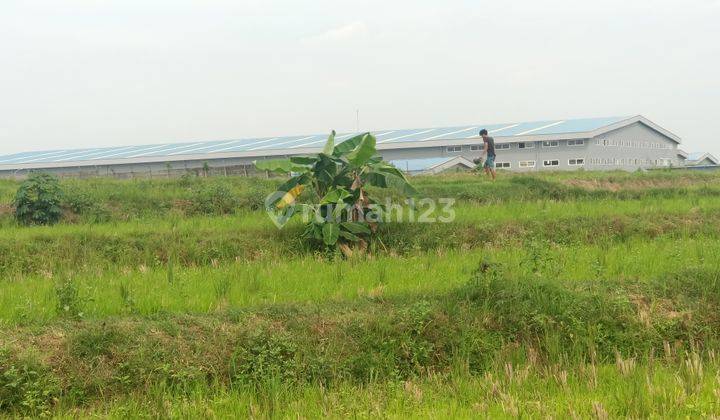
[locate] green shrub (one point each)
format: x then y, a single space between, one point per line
252 197
83 203
77 200
25 386
38 200
266 356
216 199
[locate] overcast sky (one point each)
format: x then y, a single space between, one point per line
78 73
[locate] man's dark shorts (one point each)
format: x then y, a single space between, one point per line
490 162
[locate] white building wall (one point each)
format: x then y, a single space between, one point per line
628 148
632 147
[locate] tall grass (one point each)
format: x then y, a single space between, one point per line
551 295
98 199
309 279
493 324
508 391
204 241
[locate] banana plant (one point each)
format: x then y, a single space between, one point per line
336 181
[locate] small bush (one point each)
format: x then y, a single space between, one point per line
215 199
38 200
266 355
25 386
253 197
82 203
77 200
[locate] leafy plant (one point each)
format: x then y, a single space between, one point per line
38 200
264 356
216 199
69 303
343 211
26 387
83 203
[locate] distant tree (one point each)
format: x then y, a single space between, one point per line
38 200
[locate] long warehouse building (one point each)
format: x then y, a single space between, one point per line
626 143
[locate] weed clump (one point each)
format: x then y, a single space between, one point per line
68 303
95 342
83 203
265 356
26 387
216 199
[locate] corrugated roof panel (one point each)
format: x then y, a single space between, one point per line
307 141
404 135
580 125
56 156
438 134
238 145
285 142
521 128
16 156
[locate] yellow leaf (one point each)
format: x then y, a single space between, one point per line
290 196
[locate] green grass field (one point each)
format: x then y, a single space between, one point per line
581 295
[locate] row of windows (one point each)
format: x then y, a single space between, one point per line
521 145
631 161
476 147
632 144
546 163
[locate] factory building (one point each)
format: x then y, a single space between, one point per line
616 143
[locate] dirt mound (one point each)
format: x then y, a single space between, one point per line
6 210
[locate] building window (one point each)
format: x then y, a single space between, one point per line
502 146
476 147
551 143
553 162
526 145
502 165
527 164
576 142
576 162
454 149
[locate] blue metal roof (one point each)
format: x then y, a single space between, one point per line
701 156
309 141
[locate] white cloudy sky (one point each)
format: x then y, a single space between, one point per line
114 72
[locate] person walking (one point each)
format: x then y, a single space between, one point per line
489 152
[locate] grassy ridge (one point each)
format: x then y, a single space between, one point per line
147 291
566 295
93 200
491 320
209 241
